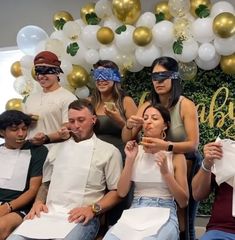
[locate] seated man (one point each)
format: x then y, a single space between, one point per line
222 223
76 175
20 172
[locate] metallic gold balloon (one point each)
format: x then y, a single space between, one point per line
61 16
142 36
127 11
16 69
79 77
162 7
105 35
14 104
33 73
224 25
195 4
227 64
88 8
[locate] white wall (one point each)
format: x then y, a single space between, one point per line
15 14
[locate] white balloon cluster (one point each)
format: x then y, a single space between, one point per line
200 43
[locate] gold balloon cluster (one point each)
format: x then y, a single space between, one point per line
194 4
127 11
61 15
79 77
105 35
162 7
14 104
227 64
16 69
142 36
224 25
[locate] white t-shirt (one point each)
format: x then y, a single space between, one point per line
52 109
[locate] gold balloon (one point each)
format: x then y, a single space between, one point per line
14 104
16 69
105 35
162 7
79 77
142 36
227 64
33 73
195 4
127 11
224 25
88 8
61 15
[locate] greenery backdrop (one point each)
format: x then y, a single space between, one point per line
199 90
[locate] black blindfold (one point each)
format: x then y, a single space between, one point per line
162 76
43 70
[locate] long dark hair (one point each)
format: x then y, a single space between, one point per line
169 64
118 93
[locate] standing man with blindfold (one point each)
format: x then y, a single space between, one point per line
49 107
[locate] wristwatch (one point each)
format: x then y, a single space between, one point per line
96 208
170 147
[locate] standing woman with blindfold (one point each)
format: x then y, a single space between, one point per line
183 135
48 107
113 107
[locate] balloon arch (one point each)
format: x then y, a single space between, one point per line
196 33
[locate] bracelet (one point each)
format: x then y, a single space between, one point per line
205 168
10 208
128 128
47 139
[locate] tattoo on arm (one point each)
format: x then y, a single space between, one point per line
42 192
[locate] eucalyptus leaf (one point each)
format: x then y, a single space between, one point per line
72 49
160 17
120 29
178 46
92 19
202 11
59 24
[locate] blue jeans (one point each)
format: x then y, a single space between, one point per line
218 235
80 232
169 230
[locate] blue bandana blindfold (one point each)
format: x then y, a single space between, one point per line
162 76
106 74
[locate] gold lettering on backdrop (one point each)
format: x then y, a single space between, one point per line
216 116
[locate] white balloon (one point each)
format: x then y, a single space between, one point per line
72 29
168 52
202 30
29 37
147 19
40 47
22 85
163 33
136 66
206 52
146 55
225 46
58 35
92 56
27 61
55 46
222 6
66 66
190 51
103 8
89 36
81 23
124 40
112 23
82 92
208 65
109 53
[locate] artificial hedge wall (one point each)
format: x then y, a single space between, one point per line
200 90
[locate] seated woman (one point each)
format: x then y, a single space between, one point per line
159 177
